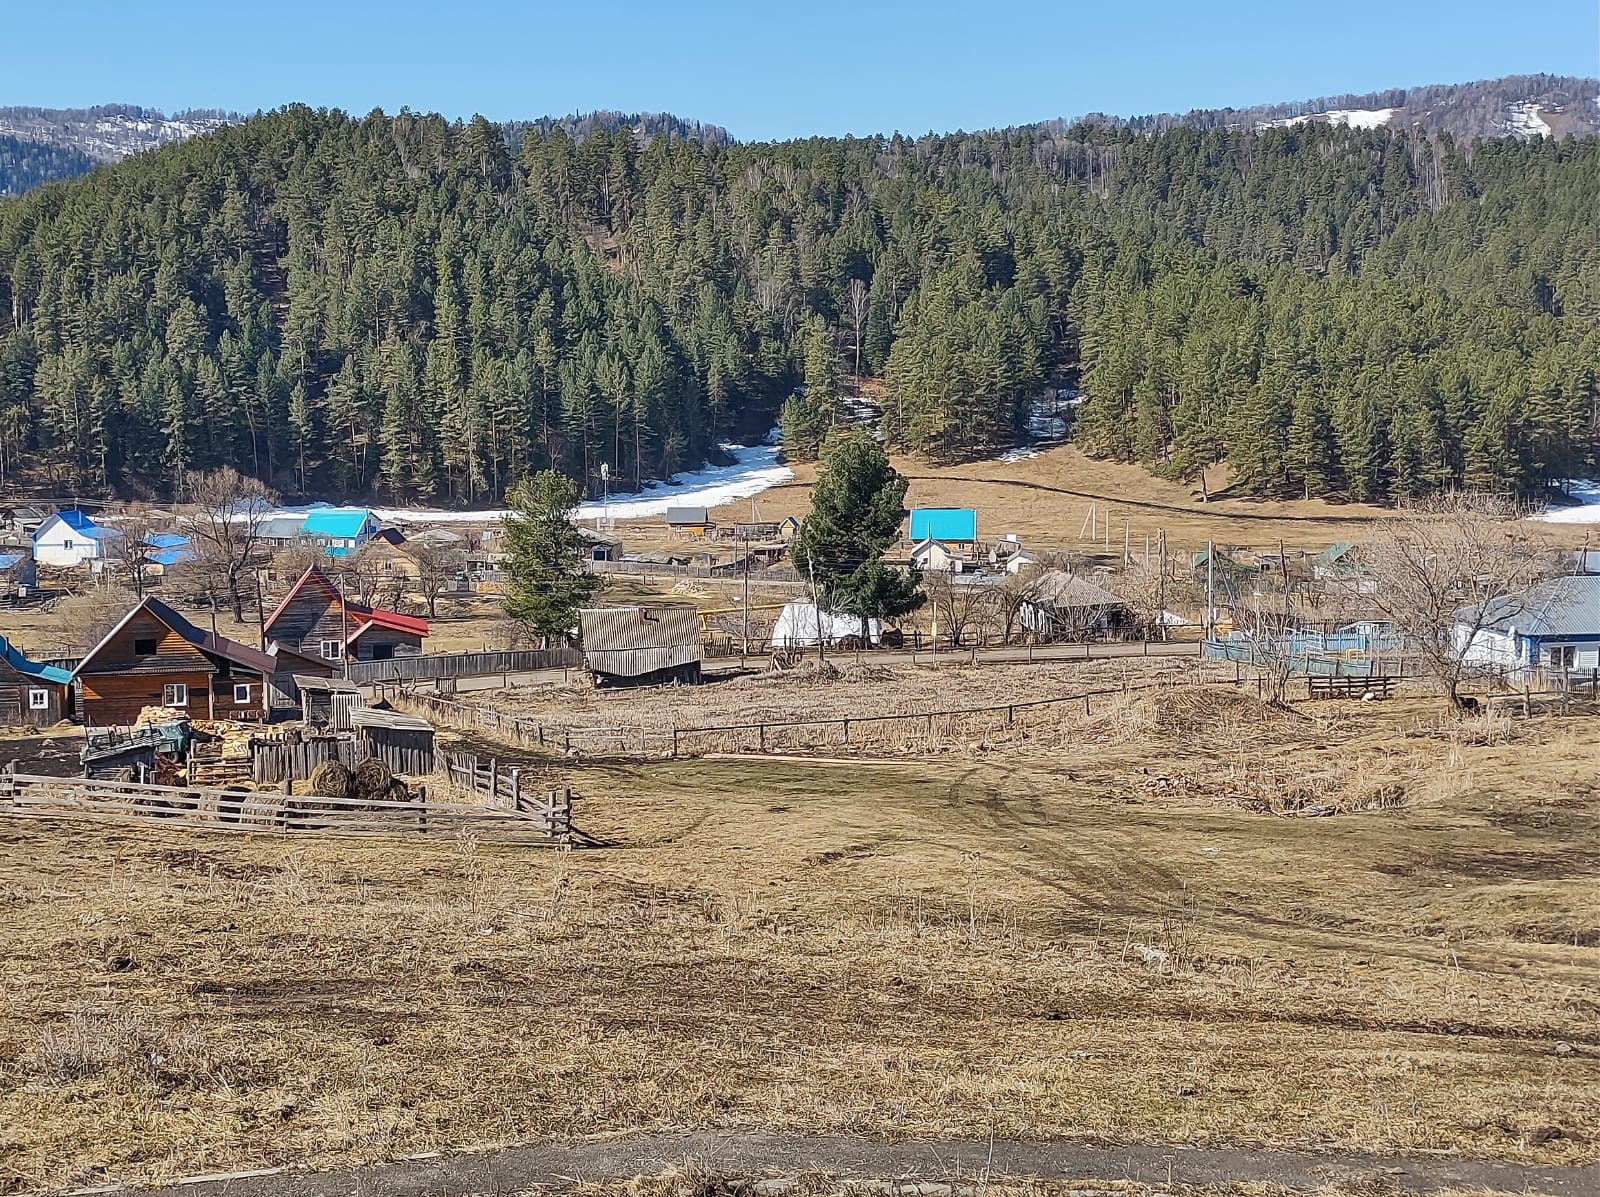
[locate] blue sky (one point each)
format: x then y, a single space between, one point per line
765 69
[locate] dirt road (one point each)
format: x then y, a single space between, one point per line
962 1162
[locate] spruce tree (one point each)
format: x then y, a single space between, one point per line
547 579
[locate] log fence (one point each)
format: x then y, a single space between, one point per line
917 729
202 808
507 787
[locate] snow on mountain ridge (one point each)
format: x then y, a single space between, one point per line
1354 118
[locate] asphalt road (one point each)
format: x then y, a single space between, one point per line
777 1158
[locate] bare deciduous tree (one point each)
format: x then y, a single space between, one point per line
1445 570
224 517
958 603
136 525
859 297
437 567
85 618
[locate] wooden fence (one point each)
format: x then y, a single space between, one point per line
277 758
760 575
25 795
509 787
452 665
910 730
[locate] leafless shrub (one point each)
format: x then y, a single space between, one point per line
86 618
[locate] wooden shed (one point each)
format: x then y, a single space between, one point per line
403 742
328 701
31 694
641 645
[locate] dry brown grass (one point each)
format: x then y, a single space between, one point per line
981 944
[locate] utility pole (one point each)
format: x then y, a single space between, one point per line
344 631
1161 583
744 646
1211 611
816 605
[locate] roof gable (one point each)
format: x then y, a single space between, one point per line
393 620
209 644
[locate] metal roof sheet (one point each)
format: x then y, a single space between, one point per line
1567 606
944 523
1059 589
687 515
44 673
345 522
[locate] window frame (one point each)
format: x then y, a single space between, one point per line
237 687
338 650
170 692
38 699
153 641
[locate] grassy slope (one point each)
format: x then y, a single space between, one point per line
1043 945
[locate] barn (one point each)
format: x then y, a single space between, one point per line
31 694
641 645
155 657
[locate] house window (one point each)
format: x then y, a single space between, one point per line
1560 656
175 694
38 700
332 650
145 648
241 694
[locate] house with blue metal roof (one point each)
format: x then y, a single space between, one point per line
339 531
949 525
1554 627
31 694
70 538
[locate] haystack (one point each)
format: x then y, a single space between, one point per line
371 780
331 780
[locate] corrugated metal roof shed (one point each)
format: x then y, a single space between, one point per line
635 641
944 523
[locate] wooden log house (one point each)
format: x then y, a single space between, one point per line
315 620
31 694
155 657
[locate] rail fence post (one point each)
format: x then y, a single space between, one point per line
674 742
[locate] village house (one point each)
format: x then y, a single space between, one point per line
155 657
69 538
641 645
339 531
280 531
31 694
315 620
691 523
1062 606
1553 627
19 574
937 556
602 545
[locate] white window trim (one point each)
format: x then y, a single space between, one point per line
241 693
174 690
38 700
338 650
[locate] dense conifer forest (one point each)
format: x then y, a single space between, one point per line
402 306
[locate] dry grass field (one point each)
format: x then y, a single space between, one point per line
1106 937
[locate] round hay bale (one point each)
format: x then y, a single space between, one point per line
331 780
372 778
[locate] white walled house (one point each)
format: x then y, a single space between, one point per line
68 539
1554 627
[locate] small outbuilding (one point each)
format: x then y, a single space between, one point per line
328 701
693 523
403 742
641 645
802 624
31 694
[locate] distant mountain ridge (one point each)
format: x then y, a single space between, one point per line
1521 106
1524 106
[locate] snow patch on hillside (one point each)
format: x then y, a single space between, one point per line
1354 118
1522 120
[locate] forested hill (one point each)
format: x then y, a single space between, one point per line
406 306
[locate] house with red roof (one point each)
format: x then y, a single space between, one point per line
316 620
